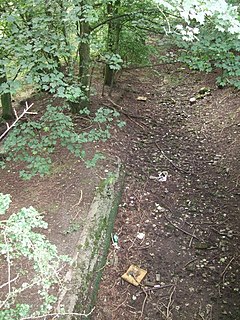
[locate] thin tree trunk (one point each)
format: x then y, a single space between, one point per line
114 29
84 63
6 101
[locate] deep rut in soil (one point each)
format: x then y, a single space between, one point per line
189 223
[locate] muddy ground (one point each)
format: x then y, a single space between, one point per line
179 216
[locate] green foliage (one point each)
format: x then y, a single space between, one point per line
134 48
18 240
33 142
114 61
92 162
4 203
213 50
222 15
208 33
40 45
105 115
19 312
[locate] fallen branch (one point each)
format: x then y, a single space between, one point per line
180 229
124 111
191 240
120 109
170 301
143 305
122 303
227 266
189 262
7 283
25 111
172 163
59 315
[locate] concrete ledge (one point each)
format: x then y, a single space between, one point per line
83 279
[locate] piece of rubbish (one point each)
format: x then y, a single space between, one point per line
140 235
158 278
162 176
115 241
148 283
192 100
134 275
204 91
140 98
159 208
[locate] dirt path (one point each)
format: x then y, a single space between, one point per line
184 231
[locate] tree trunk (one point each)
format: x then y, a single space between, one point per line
114 29
84 63
6 101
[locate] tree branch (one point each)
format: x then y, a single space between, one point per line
25 111
124 15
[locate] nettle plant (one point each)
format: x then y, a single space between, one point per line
20 242
33 142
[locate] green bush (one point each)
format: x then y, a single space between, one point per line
214 50
19 240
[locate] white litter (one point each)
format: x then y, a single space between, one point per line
162 176
140 235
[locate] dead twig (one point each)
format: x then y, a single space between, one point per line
167 314
114 310
77 204
221 233
191 240
226 268
59 315
172 163
189 262
170 302
7 283
205 315
124 111
18 117
144 303
180 229
129 116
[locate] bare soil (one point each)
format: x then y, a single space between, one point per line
184 231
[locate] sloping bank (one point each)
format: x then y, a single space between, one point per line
91 253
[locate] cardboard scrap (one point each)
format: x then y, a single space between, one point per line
134 275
